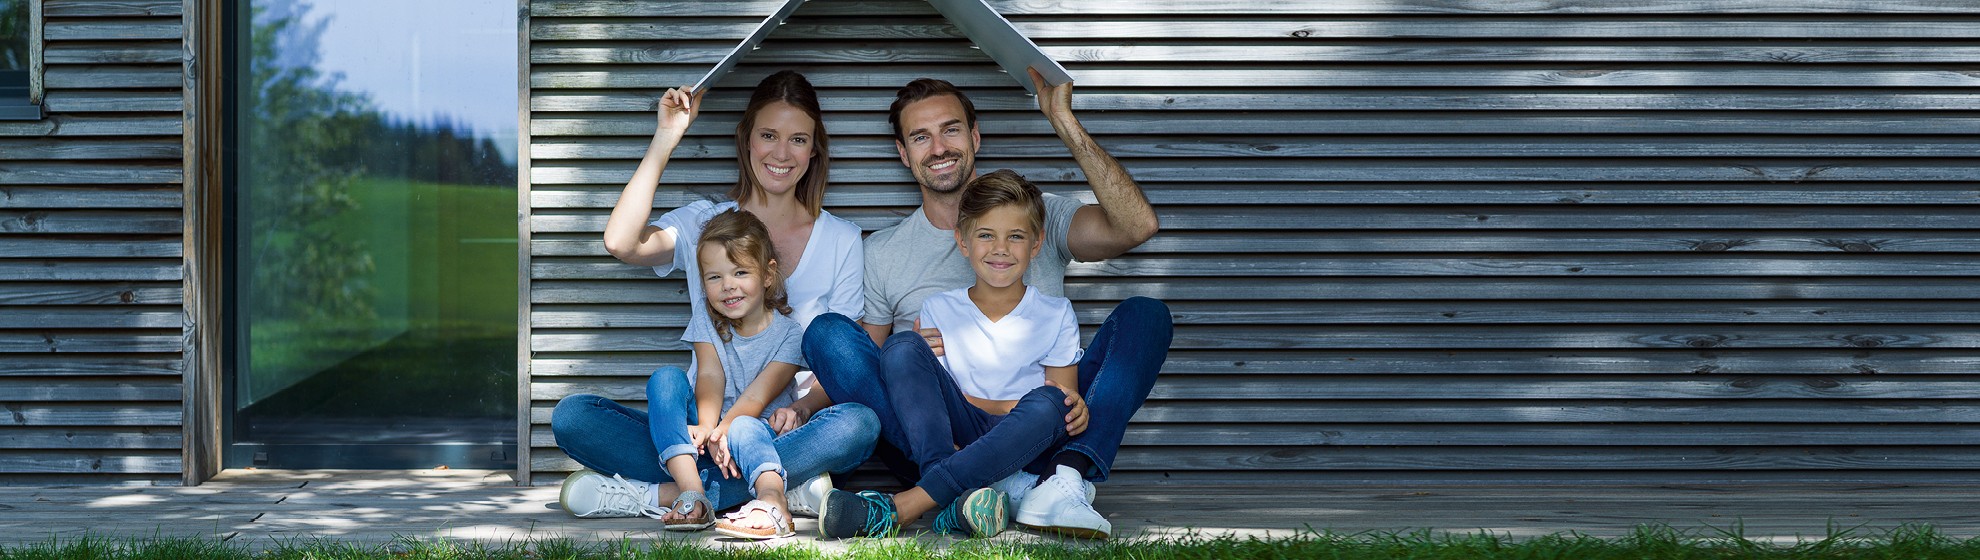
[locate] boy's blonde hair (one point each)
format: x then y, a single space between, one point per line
998 189
747 242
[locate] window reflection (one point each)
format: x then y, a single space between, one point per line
13 35
375 241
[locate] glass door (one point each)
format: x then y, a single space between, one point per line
371 208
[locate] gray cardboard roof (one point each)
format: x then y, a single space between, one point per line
991 33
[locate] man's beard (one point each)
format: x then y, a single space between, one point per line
946 184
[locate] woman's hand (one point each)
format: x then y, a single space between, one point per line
1075 420
718 449
677 109
788 418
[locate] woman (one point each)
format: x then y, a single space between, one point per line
782 165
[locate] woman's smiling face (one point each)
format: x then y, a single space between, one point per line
780 147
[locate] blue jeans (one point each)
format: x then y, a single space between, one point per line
1115 376
993 445
611 438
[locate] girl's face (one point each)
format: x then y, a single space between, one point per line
780 147
999 245
734 290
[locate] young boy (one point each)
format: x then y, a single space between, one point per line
1003 395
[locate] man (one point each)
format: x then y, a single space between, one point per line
937 138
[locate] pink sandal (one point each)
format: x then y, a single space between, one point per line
781 525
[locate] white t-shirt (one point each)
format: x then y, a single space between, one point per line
913 260
1004 359
827 278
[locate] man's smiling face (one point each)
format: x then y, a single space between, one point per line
937 143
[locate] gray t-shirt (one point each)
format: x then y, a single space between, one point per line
912 260
743 357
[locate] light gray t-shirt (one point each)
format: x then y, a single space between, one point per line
743 357
912 260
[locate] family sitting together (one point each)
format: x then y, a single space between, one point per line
944 344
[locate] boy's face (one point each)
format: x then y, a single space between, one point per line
732 290
999 245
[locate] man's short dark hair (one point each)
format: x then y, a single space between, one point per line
923 88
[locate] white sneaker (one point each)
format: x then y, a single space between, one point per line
589 494
808 498
1063 505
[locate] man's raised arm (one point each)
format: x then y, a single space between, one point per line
1124 219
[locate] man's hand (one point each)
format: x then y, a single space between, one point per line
788 418
1075 420
1054 101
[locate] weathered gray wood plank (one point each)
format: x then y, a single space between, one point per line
69 270
91 414
1270 27
1311 75
99 101
1941 411
87 366
898 194
43 248
103 76
82 293
107 342
1317 146
1125 123
1709 241
87 389
111 8
113 29
95 317
761 8
89 438
94 462
88 221
574 268
90 196
112 53
1258 98
598 52
655 290
73 125
1385 362
45 148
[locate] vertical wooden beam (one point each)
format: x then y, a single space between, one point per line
522 244
202 237
35 69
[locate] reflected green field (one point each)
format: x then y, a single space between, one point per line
443 291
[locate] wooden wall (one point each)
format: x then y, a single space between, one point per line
1427 240
91 253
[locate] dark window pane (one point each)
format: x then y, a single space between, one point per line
13 35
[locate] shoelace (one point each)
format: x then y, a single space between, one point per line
947 522
1076 490
622 497
879 513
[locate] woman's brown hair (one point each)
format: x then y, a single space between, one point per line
787 87
747 243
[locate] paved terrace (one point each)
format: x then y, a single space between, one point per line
260 508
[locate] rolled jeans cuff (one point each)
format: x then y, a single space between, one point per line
675 450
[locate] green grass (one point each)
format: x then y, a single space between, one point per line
1647 543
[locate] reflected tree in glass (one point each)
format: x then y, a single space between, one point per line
13 35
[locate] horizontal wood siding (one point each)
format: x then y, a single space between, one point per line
1461 240
91 253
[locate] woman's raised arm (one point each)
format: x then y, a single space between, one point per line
628 235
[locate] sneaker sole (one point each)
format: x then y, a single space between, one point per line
986 512
1078 532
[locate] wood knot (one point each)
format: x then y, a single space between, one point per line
1823 383
1705 341
1749 382
1302 33
127 296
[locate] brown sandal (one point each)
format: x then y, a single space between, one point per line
691 512
781 523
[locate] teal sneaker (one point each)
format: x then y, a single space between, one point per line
980 513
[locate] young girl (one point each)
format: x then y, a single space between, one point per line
1005 389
